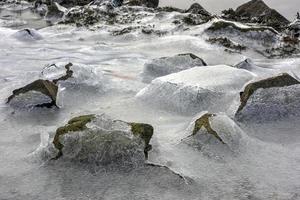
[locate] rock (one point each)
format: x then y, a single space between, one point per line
55 11
100 139
195 89
283 51
45 87
147 3
88 15
227 43
294 29
69 75
168 65
198 9
27 35
256 11
270 98
248 64
49 88
213 134
196 15
244 34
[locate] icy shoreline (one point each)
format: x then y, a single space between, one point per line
109 63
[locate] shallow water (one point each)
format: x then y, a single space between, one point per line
267 167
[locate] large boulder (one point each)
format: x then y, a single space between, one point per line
213 134
257 11
103 140
270 99
196 89
168 65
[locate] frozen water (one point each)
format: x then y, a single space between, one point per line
196 89
267 165
168 65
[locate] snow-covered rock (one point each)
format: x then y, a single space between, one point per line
249 65
28 35
244 34
168 65
213 134
100 139
77 74
275 98
196 89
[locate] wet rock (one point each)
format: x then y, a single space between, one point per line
45 87
256 11
168 65
195 89
227 43
100 139
270 98
213 134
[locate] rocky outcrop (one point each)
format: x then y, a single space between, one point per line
269 98
98 138
168 65
195 89
256 11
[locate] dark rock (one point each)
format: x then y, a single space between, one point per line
225 42
198 9
256 11
147 3
277 81
45 87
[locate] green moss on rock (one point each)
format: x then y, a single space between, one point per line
144 131
282 80
75 124
204 122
